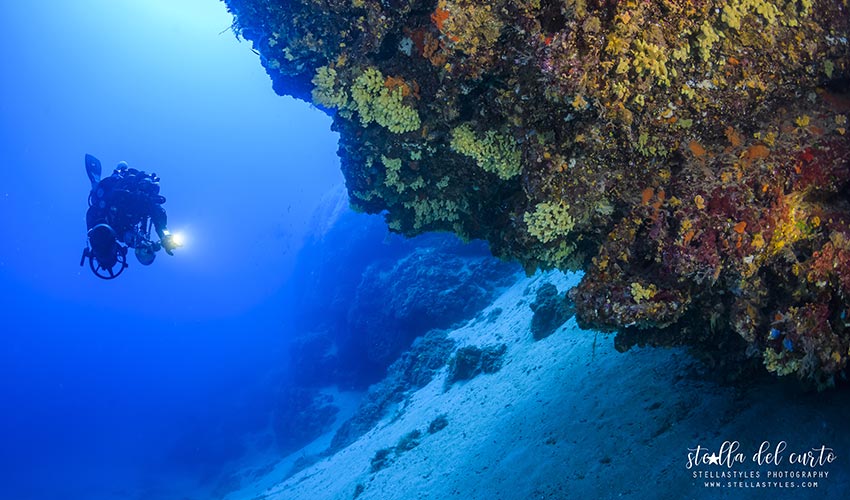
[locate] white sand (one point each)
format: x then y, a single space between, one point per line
565 420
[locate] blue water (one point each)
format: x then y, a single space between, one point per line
143 387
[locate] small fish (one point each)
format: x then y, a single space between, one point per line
788 344
774 334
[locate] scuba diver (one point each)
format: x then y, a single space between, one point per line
122 209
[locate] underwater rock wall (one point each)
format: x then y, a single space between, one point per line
360 297
429 288
691 156
362 304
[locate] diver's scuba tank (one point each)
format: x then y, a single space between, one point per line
107 257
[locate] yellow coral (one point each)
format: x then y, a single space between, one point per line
549 221
432 210
393 178
733 12
640 292
495 153
471 25
393 168
828 68
706 38
616 45
326 91
682 53
780 363
790 229
650 59
561 256
373 101
758 241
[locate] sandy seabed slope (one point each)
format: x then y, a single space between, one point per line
569 417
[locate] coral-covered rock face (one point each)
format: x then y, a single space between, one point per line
690 155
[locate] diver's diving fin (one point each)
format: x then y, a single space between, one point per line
93 169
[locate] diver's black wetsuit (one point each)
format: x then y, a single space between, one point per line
124 200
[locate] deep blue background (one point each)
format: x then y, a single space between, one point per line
140 387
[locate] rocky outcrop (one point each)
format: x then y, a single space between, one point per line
413 370
364 306
470 361
690 156
429 288
360 297
551 310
